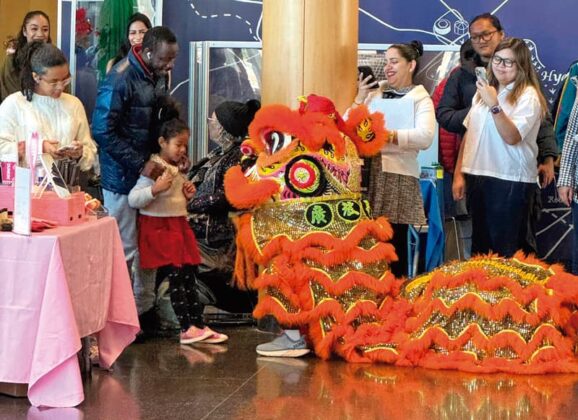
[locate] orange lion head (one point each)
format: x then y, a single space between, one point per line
309 152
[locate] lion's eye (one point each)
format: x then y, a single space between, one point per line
276 140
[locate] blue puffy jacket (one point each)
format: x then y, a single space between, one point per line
122 122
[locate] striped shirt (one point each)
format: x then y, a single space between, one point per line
568 170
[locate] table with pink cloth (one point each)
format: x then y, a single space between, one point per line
56 287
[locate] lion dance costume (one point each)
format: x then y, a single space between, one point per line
323 261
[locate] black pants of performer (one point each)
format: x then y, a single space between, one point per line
184 298
399 241
499 211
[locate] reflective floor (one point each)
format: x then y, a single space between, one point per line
163 380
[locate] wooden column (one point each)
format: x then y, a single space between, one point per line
309 46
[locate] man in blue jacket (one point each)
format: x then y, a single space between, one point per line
122 125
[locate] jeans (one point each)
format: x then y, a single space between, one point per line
143 281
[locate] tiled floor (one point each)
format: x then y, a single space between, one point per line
162 380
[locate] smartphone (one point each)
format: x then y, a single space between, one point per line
65 148
481 74
367 71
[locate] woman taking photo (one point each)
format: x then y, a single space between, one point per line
394 189
35 27
43 107
497 159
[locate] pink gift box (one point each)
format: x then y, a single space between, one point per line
64 211
7 197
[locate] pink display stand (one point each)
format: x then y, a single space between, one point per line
64 211
58 286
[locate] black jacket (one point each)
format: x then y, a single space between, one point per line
457 100
209 208
122 122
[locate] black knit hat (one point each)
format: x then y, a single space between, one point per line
235 117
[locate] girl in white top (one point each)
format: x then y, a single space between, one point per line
394 189
499 150
43 107
165 238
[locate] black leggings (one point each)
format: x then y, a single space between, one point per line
184 298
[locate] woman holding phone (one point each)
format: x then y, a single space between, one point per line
43 107
393 189
497 158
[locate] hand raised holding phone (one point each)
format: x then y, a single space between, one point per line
366 82
486 91
481 74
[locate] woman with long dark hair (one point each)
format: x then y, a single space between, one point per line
137 27
35 27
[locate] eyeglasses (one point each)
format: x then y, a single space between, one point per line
56 84
486 36
497 60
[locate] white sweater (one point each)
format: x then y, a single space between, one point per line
62 119
401 158
170 203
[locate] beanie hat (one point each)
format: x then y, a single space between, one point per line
235 117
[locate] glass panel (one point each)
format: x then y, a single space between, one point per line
234 75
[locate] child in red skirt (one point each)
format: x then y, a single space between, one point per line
164 236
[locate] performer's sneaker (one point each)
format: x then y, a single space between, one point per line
284 346
194 334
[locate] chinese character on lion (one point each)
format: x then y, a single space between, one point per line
323 261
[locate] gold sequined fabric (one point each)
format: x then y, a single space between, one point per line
290 218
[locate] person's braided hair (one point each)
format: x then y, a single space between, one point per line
38 57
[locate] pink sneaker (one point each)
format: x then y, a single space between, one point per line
194 334
215 337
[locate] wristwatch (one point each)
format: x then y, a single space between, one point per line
496 109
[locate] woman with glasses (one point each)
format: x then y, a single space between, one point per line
42 107
35 27
497 159
209 209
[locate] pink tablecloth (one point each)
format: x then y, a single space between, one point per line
56 287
